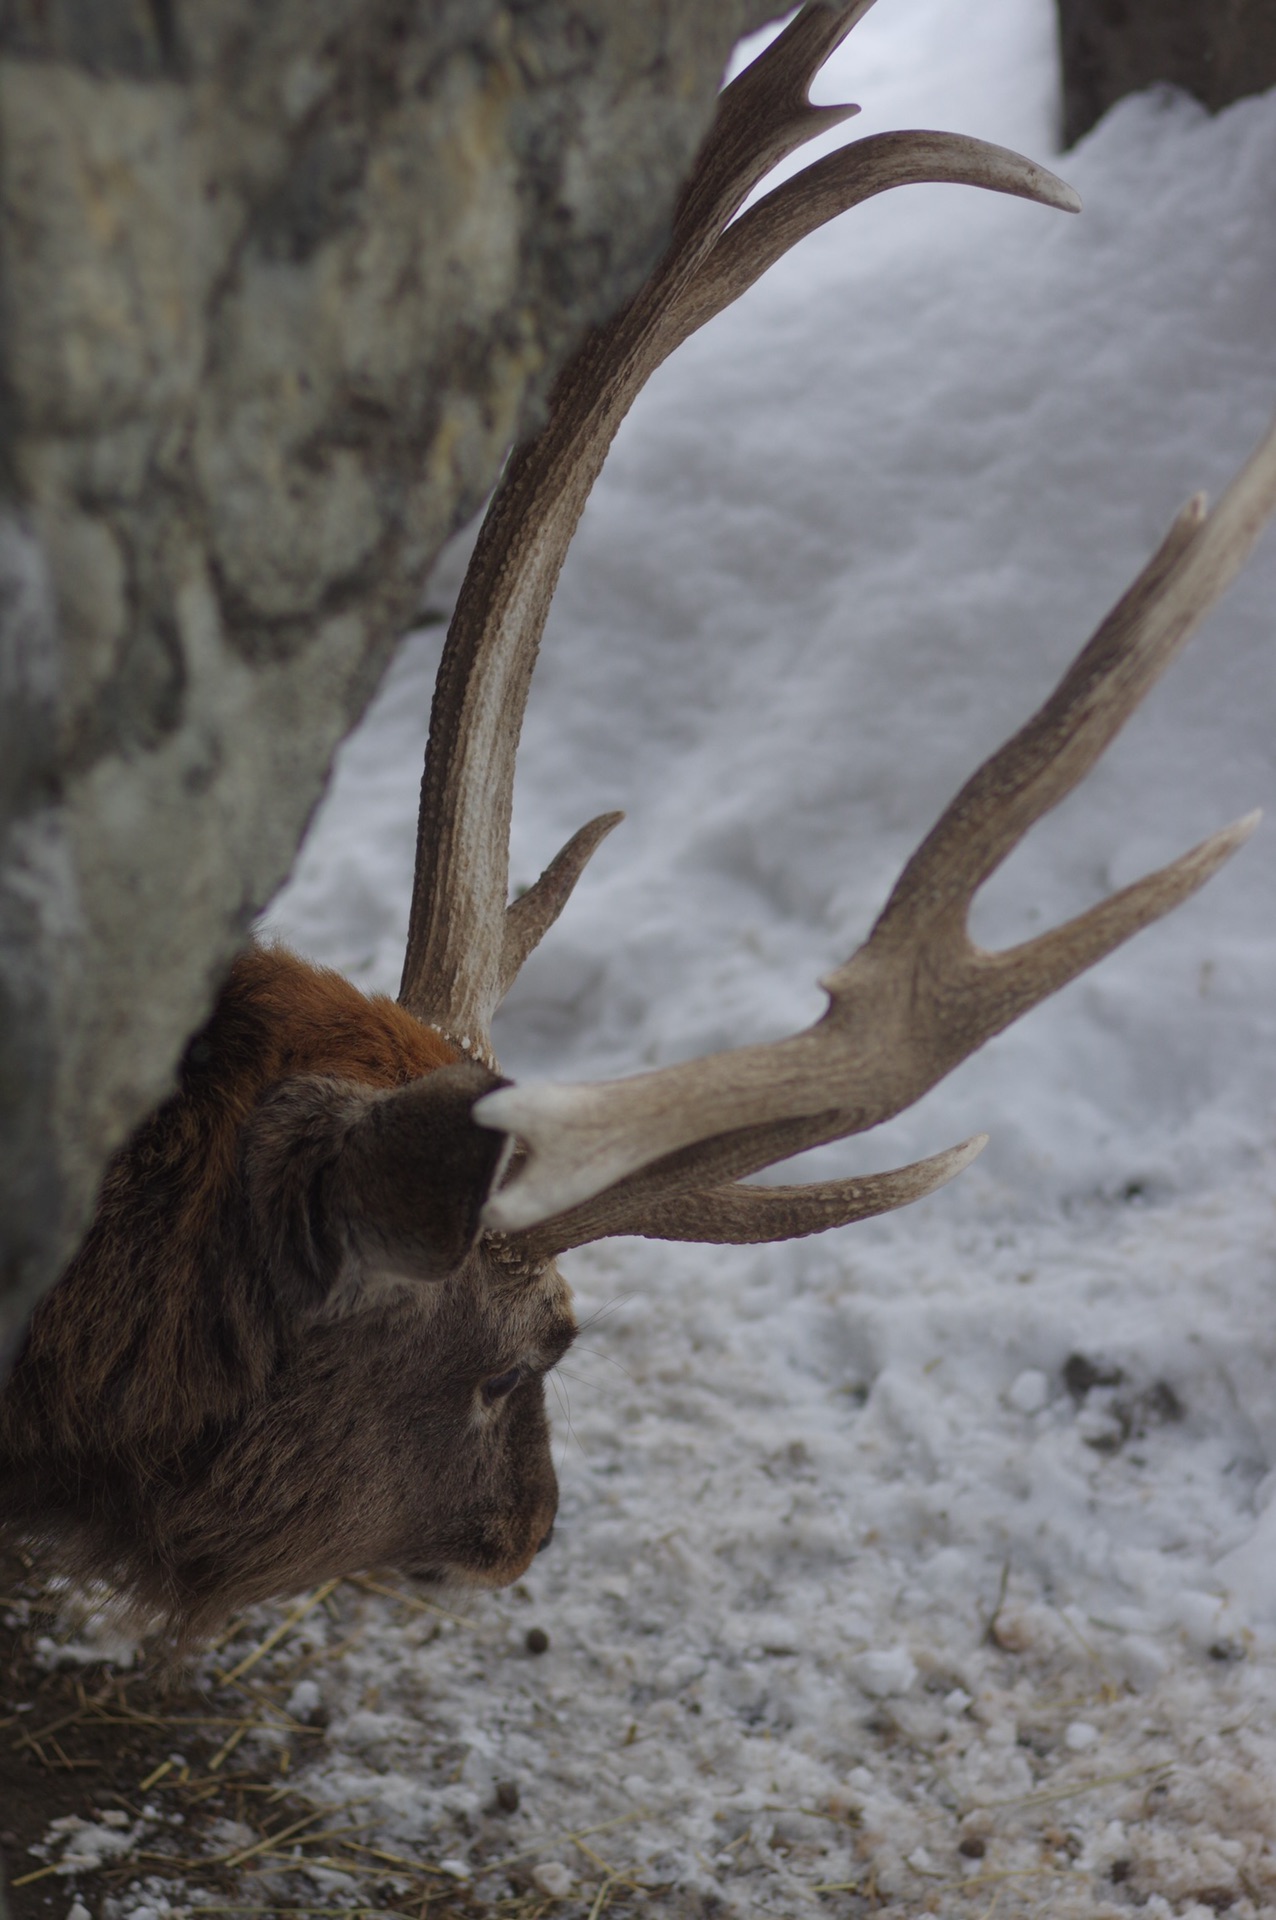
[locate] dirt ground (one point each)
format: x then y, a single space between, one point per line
149 1758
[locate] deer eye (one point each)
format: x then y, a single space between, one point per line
500 1384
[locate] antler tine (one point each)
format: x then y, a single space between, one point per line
741 1216
842 180
529 918
1009 983
918 997
736 1215
1131 649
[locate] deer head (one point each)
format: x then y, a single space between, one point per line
310 1327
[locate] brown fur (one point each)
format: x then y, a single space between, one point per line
265 1366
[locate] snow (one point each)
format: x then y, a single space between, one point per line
877 1549
87 1844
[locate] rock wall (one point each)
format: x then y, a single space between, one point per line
1218 50
278 286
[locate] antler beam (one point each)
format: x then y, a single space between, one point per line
464 945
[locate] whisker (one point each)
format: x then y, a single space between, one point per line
572 1434
597 1353
600 1313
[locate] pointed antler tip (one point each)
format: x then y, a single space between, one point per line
958 1158
1030 178
1217 849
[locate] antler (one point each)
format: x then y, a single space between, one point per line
632 1156
464 945
661 1154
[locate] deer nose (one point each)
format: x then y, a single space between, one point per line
546 1538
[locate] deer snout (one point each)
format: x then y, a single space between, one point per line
546 1537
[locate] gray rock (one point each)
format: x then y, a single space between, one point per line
279 285
1218 53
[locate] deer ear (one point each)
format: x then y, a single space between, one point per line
395 1180
416 1171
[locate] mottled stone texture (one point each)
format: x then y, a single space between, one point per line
279 283
1215 49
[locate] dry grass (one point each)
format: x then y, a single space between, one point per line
138 1749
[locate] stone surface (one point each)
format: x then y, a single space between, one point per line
1218 50
278 287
